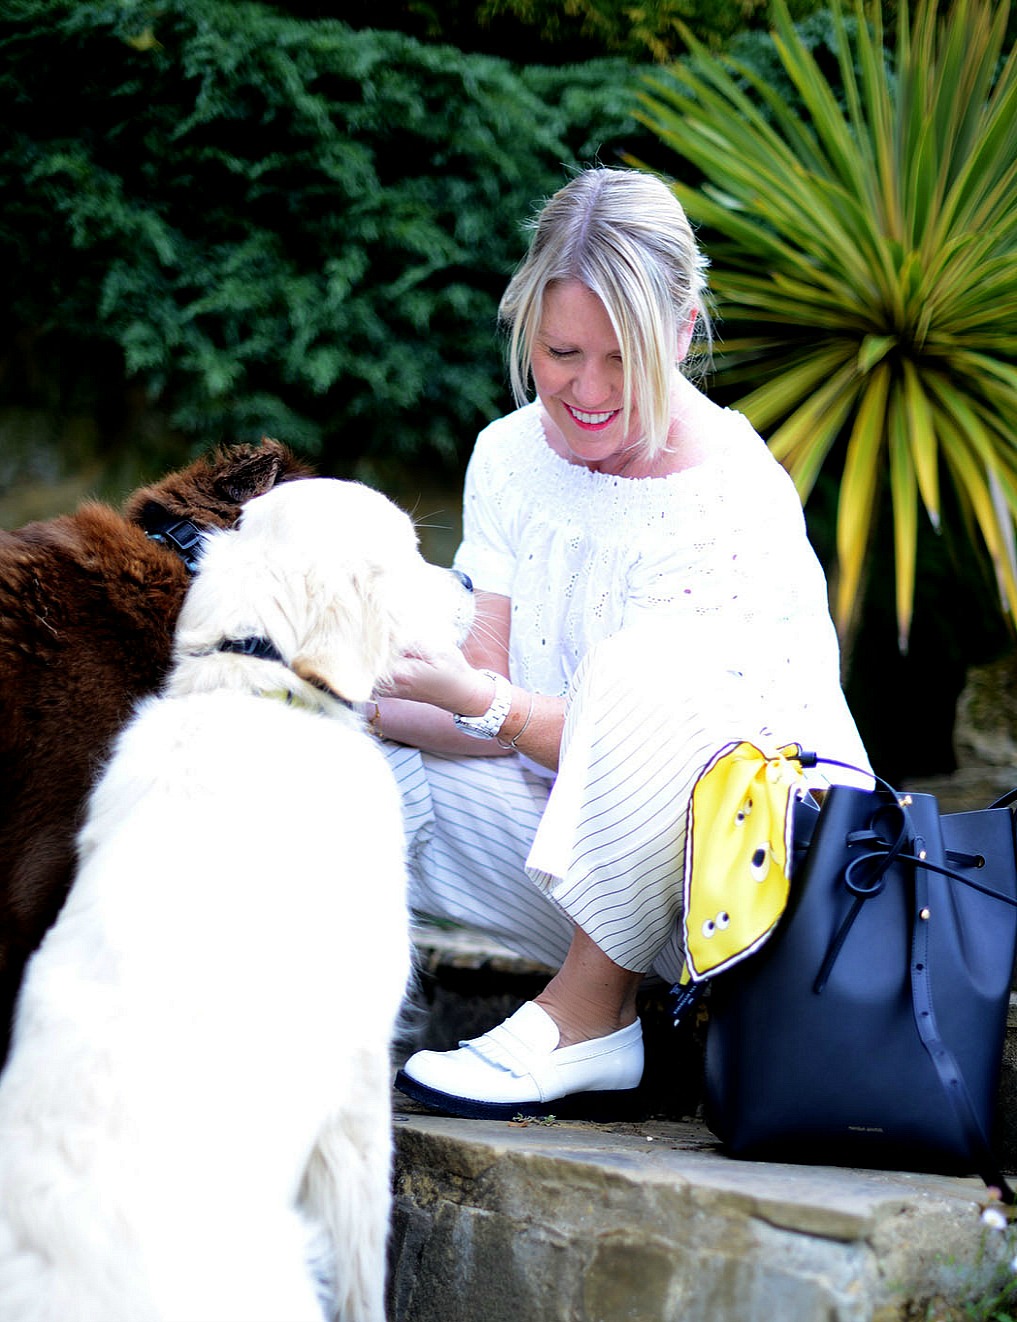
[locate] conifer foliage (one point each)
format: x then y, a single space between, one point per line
279 224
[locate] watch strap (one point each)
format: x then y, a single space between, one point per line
488 725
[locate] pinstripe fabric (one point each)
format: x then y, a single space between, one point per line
469 825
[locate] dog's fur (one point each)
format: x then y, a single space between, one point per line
198 1089
88 603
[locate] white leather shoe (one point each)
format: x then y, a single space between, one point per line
515 1069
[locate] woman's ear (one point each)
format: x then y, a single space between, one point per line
685 336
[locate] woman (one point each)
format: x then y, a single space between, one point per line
646 594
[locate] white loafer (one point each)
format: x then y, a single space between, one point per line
519 1069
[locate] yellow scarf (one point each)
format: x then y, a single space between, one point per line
737 853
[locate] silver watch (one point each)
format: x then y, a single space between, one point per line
489 724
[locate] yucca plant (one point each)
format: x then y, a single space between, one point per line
865 267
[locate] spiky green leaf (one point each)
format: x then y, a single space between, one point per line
864 248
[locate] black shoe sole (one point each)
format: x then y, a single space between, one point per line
615 1104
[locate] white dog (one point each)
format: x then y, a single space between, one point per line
197 1104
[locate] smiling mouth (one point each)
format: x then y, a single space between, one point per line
591 419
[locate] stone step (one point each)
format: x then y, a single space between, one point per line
581 1222
552 1221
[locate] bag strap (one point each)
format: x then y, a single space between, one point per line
942 1058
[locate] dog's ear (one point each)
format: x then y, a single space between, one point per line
349 645
253 471
343 674
211 491
351 683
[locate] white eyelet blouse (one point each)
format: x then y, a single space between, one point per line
717 553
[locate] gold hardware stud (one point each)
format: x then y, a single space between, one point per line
905 800
921 854
924 915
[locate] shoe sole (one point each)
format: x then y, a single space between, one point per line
612 1104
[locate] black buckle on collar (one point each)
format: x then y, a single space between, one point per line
261 647
180 535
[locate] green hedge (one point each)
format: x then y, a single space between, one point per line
276 224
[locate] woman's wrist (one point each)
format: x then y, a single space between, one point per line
487 722
517 722
507 716
478 701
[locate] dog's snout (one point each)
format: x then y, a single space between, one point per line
464 579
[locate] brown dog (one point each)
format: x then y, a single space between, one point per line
88 602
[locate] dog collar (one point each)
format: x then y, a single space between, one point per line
180 535
261 647
266 650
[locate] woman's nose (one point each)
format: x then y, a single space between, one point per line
594 384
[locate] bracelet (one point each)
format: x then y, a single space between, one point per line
520 732
371 715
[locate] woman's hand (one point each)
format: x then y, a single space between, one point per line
445 680
415 704
429 687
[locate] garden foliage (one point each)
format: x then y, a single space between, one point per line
274 223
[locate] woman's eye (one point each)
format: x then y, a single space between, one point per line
560 353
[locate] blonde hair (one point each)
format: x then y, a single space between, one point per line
622 234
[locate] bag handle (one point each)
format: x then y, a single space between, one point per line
888 854
877 863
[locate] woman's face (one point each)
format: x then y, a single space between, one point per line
577 371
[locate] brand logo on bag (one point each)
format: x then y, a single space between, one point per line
866 1129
